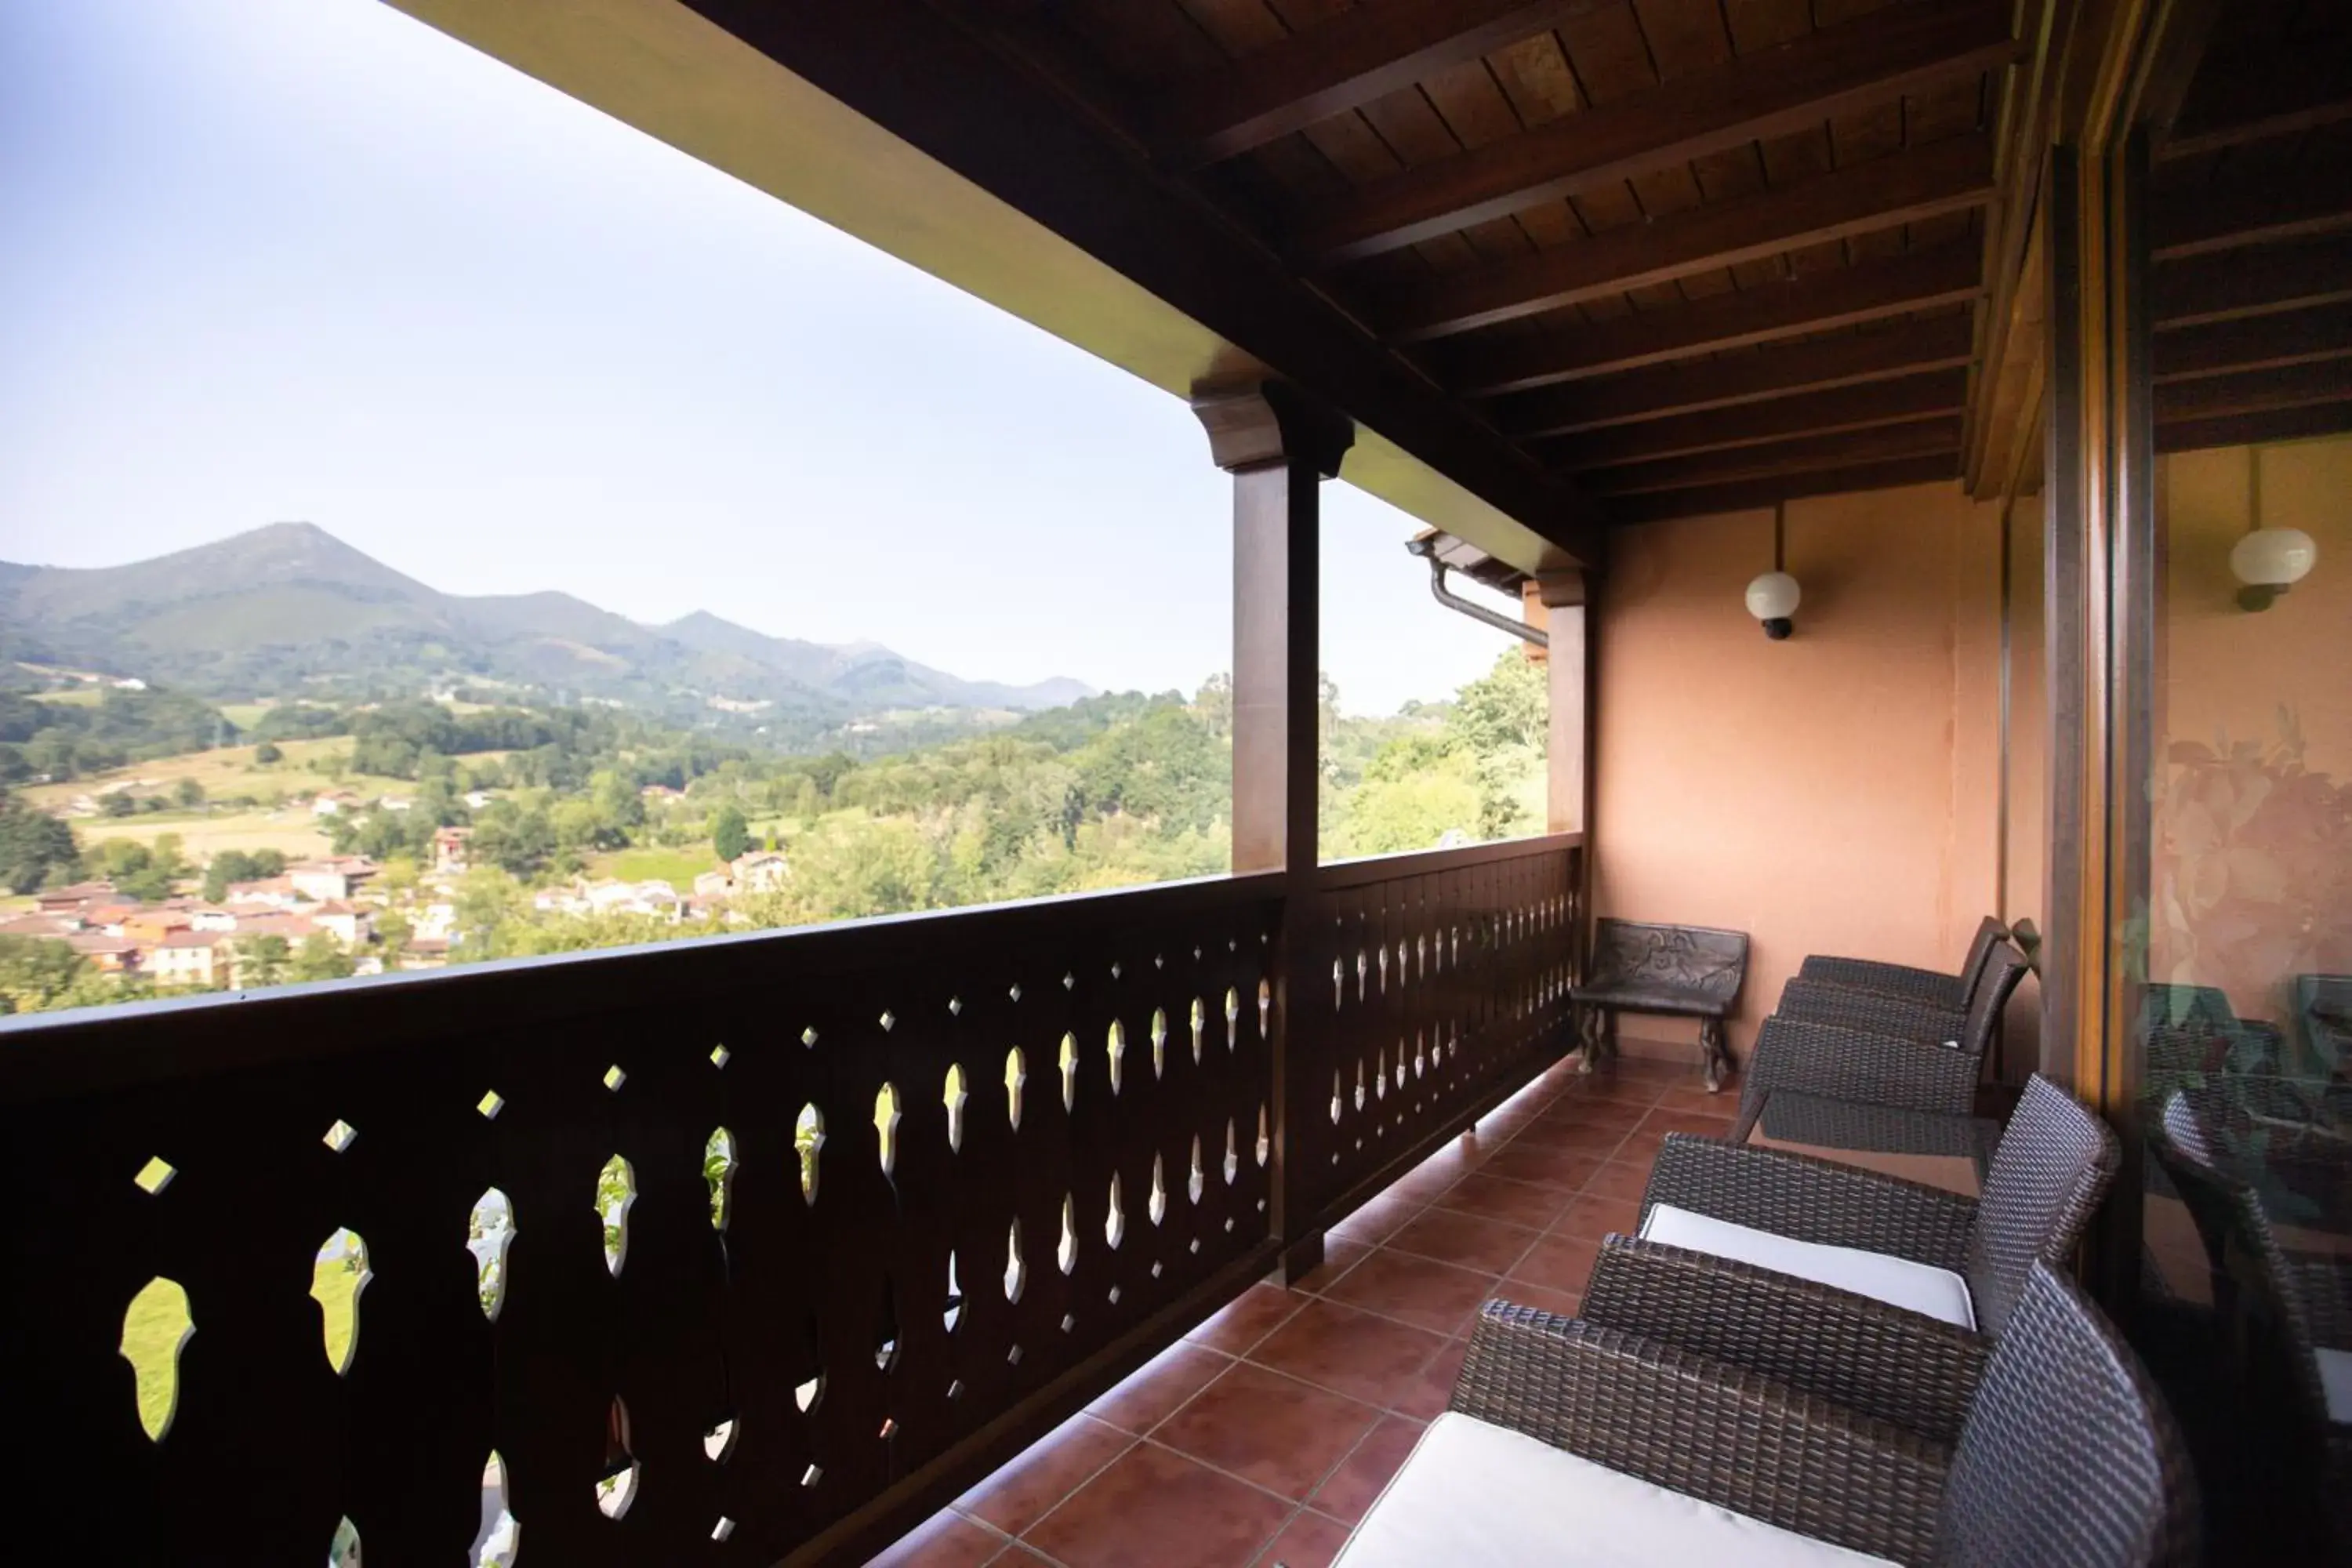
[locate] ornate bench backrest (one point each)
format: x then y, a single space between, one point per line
1699 960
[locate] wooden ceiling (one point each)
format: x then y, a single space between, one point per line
1680 254
2250 232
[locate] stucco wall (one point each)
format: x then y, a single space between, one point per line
2250 890
1836 792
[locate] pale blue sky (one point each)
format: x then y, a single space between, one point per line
269 259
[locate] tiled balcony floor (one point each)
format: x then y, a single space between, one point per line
1262 1438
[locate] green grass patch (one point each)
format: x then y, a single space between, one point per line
678 868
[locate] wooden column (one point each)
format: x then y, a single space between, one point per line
1279 445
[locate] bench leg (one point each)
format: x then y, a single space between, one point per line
1715 1052
1587 1037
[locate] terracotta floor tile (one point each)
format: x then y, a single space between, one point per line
1309 1541
1513 1203
1339 1255
1572 1137
1348 1352
1049 1471
1158 1388
1694 1097
1246 1319
1558 1262
1377 1219
946 1540
1425 1396
1466 1241
1566 1169
1276 1431
1705 1123
1156 1509
1618 1179
1357 1483
1593 1218
1416 1291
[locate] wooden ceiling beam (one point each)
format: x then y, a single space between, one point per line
1755 495
2253 391
1338 64
2293 204
1751 424
1920 439
2257 342
2230 285
1903 187
1785 308
1662 390
2280 93
1835 71
2252 430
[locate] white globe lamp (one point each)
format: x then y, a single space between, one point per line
1772 598
2268 561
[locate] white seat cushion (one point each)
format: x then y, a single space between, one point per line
1897 1281
1474 1493
2335 1382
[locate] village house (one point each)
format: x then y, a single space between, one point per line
71 899
715 885
152 925
211 917
107 954
320 880
450 850
333 802
190 958
272 892
40 925
346 923
760 871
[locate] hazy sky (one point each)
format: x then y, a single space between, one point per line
270 259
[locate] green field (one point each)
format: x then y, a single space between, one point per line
678 868
292 832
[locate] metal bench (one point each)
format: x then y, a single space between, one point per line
1689 972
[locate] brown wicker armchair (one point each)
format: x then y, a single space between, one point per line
1928 986
1863 1045
2289 1313
2047 1177
2067 1458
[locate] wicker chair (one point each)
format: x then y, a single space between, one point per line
2047 1177
2068 1457
1865 1046
2290 1313
1927 985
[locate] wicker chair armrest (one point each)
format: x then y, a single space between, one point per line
1906 1017
1807 1199
1726 1435
1855 1064
1892 979
1881 1361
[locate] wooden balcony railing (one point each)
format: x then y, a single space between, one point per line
736 1251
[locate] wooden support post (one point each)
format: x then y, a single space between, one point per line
1565 597
1279 445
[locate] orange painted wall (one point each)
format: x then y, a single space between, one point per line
2252 910
1836 792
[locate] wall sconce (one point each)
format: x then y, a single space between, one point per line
1772 598
2268 561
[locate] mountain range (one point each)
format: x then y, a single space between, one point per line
289 610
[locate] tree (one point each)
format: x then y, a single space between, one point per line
189 794
36 848
260 960
268 755
36 972
730 835
518 842
318 958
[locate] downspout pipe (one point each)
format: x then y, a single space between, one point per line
1446 596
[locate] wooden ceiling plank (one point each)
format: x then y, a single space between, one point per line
2253 391
1718 109
2252 430
1900 188
1343 64
2257 342
1880 443
1756 495
2230 285
2304 202
1750 424
1662 390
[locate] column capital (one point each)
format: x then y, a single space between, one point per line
1556 590
1263 424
